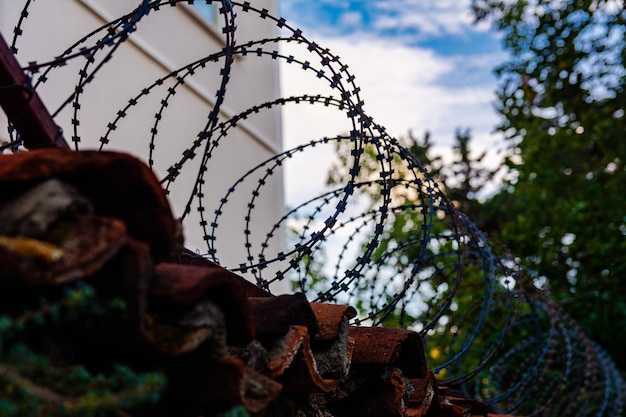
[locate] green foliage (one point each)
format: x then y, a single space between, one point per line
36 379
462 179
562 103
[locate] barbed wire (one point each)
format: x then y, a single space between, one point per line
406 257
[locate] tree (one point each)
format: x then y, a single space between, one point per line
562 100
462 179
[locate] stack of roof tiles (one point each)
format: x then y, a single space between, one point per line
222 343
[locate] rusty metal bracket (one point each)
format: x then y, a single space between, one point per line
23 106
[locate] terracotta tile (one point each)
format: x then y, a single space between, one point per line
284 352
387 346
176 289
425 396
382 396
275 315
175 336
291 362
250 289
332 348
118 185
330 318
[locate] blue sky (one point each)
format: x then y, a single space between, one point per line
422 66
441 25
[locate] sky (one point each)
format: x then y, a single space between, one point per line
421 65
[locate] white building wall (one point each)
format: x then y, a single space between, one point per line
165 41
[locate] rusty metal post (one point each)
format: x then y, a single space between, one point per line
22 104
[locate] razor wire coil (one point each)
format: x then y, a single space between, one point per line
554 369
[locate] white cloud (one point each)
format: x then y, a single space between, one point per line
422 19
429 17
403 88
351 19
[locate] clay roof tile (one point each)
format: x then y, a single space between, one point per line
117 184
179 287
330 318
399 348
275 315
291 362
